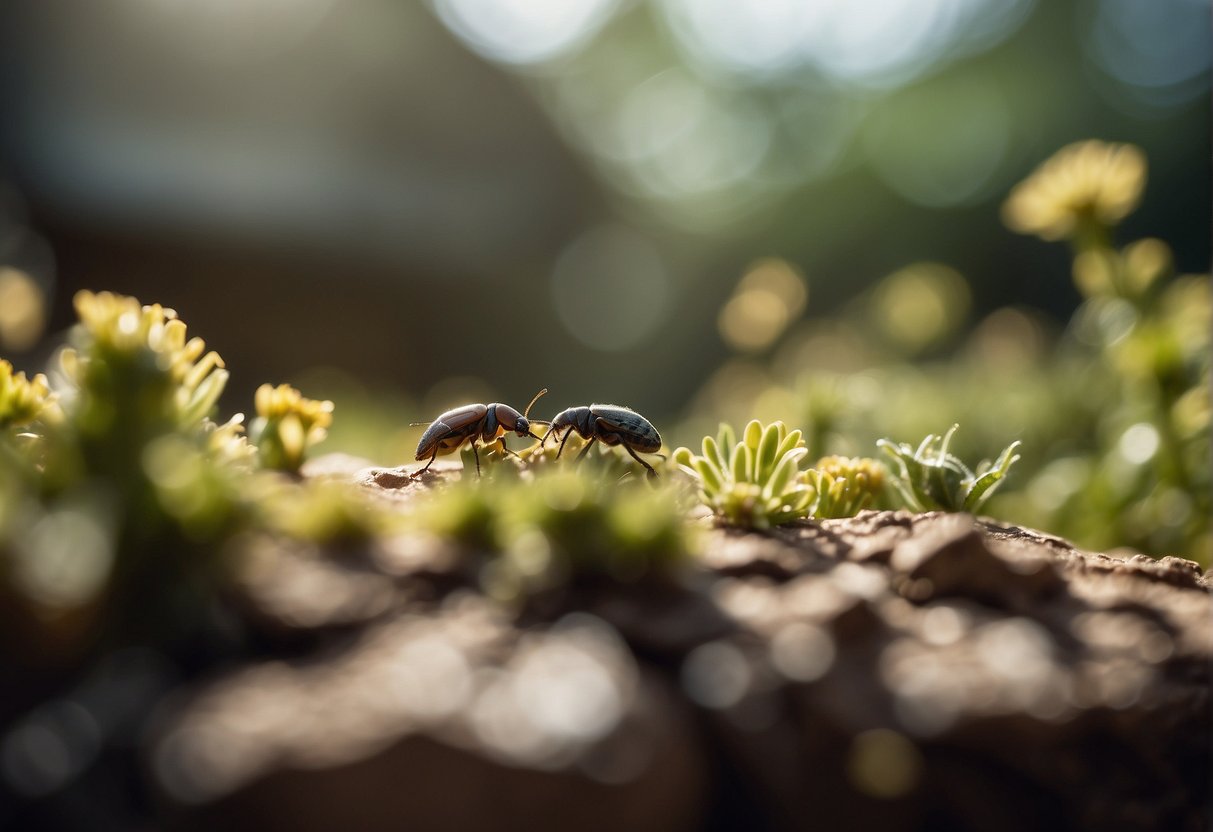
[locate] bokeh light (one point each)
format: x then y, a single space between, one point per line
524 31
1160 50
942 145
22 310
769 296
884 764
610 288
884 43
66 557
920 305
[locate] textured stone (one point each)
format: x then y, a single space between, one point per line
889 671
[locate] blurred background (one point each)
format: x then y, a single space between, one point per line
701 209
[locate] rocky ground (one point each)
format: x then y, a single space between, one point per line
890 671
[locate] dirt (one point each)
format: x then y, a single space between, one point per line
889 671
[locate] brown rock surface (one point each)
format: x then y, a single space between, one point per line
889 671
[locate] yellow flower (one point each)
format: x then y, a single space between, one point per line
287 425
23 400
227 442
116 325
845 486
1085 182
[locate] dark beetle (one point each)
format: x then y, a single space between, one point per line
486 422
611 425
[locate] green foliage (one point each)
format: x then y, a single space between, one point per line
557 525
1112 405
756 483
929 478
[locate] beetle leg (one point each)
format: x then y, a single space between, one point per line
652 473
564 441
433 456
586 449
476 453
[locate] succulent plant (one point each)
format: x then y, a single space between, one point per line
845 486
756 483
929 478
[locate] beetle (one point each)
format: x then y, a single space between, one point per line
610 424
486 422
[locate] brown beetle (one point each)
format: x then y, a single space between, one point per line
611 425
486 422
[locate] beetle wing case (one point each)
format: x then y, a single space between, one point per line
637 431
455 424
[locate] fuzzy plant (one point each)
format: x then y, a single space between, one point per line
844 486
929 478
753 483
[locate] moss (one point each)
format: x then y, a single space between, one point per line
524 535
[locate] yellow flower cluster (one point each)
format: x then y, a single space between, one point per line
845 485
119 325
1083 183
23 400
287 425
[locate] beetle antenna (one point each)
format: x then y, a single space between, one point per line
529 406
419 424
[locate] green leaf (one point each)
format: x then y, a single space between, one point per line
708 475
753 434
947 440
727 439
738 465
983 488
766 452
713 454
785 471
792 440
